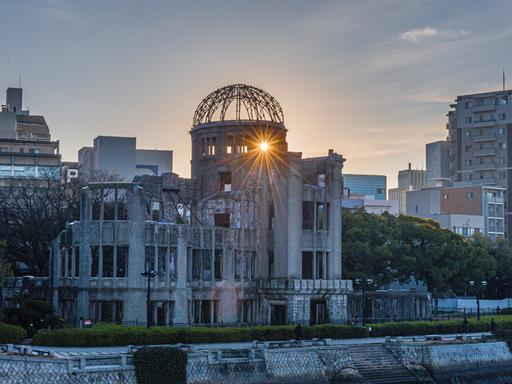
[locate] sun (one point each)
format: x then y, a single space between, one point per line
264 146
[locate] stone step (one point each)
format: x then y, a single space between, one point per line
378 366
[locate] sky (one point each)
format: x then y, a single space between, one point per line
371 79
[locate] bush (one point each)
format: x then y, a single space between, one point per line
412 328
11 334
109 334
160 366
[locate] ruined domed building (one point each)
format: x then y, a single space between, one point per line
254 236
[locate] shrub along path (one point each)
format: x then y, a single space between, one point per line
115 335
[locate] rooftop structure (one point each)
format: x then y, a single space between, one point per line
408 180
119 157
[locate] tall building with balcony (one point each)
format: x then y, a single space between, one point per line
479 138
254 236
26 148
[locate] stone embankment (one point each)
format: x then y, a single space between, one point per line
397 361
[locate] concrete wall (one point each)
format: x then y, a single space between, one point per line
437 163
455 359
7 125
423 203
153 162
115 155
460 221
462 200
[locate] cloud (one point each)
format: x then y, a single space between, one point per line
60 11
418 34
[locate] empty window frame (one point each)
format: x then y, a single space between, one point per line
322 216
218 264
308 214
173 263
108 261
225 181
222 220
307 265
162 263
95 261
122 261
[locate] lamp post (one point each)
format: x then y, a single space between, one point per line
479 286
149 275
364 284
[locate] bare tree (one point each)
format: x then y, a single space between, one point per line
32 213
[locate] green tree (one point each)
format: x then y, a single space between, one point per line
387 248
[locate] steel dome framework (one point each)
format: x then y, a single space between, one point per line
257 104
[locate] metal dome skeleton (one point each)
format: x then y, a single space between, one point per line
258 105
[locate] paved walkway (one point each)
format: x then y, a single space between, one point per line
71 351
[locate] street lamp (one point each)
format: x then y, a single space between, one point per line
148 274
364 284
479 286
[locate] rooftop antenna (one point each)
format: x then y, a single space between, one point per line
19 80
503 78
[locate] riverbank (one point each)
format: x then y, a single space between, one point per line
471 358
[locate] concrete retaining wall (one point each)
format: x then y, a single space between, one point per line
455 359
467 362
306 365
41 370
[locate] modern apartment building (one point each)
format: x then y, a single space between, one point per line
408 180
479 138
466 209
365 186
119 156
26 148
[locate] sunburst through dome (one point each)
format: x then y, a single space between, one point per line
252 115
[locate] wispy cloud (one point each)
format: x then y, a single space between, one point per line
60 11
418 34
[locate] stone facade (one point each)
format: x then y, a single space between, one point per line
254 236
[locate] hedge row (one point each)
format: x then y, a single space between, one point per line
11 334
160 366
104 335
412 328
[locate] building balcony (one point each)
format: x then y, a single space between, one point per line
491 166
305 285
484 123
485 152
495 200
482 138
486 181
484 108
